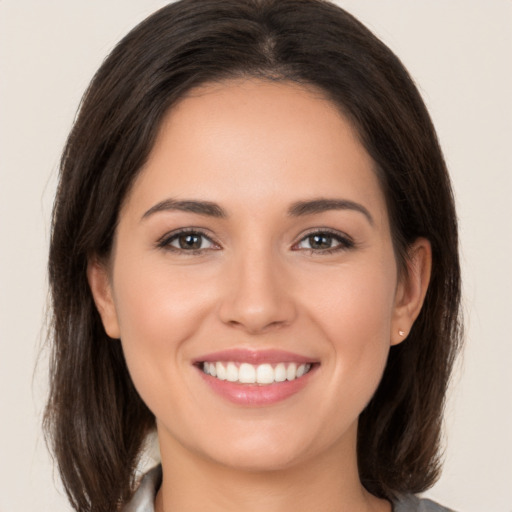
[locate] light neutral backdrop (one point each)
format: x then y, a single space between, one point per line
459 52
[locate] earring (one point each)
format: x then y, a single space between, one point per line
402 333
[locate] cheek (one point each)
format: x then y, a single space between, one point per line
354 312
156 303
159 310
356 302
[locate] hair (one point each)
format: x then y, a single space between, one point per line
95 421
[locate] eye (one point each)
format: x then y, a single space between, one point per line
324 242
191 241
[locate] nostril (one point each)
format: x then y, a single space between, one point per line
257 303
254 328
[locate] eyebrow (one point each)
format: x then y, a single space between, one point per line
297 209
321 205
200 207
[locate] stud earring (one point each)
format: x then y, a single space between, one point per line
402 333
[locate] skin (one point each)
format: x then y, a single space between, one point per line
254 148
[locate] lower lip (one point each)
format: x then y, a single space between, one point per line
254 394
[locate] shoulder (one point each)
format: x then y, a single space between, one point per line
411 503
144 498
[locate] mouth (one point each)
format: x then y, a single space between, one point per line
256 378
262 374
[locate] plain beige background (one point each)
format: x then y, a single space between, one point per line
459 52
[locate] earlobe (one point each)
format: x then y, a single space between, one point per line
411 289
101 289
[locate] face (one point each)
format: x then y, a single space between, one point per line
253 281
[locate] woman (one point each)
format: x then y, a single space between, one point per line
254 251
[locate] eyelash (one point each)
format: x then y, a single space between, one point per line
166 240
344 242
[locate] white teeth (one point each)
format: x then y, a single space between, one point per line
220 370
280 373
291 371
301 370
265 374
262 374
247 373
231 372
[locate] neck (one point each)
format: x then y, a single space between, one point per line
327 483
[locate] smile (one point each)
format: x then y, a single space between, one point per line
262 374
256 378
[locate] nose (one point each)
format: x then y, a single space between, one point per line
258 295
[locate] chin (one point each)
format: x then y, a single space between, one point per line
260 459
264 447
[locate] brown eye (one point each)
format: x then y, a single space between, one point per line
187 241
325 242
320 241
190 241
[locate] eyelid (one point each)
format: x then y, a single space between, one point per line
345 241
164 242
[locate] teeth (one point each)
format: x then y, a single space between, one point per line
280 373
291 371
265 374
232 372
220 369
246 373
301 370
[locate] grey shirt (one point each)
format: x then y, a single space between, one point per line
143 500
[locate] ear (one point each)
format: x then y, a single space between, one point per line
101 288
411 289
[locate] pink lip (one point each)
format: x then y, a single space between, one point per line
254 394
242 355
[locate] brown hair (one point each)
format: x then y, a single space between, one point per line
95 420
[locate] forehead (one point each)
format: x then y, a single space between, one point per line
258 142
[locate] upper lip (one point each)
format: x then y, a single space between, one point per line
258 356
